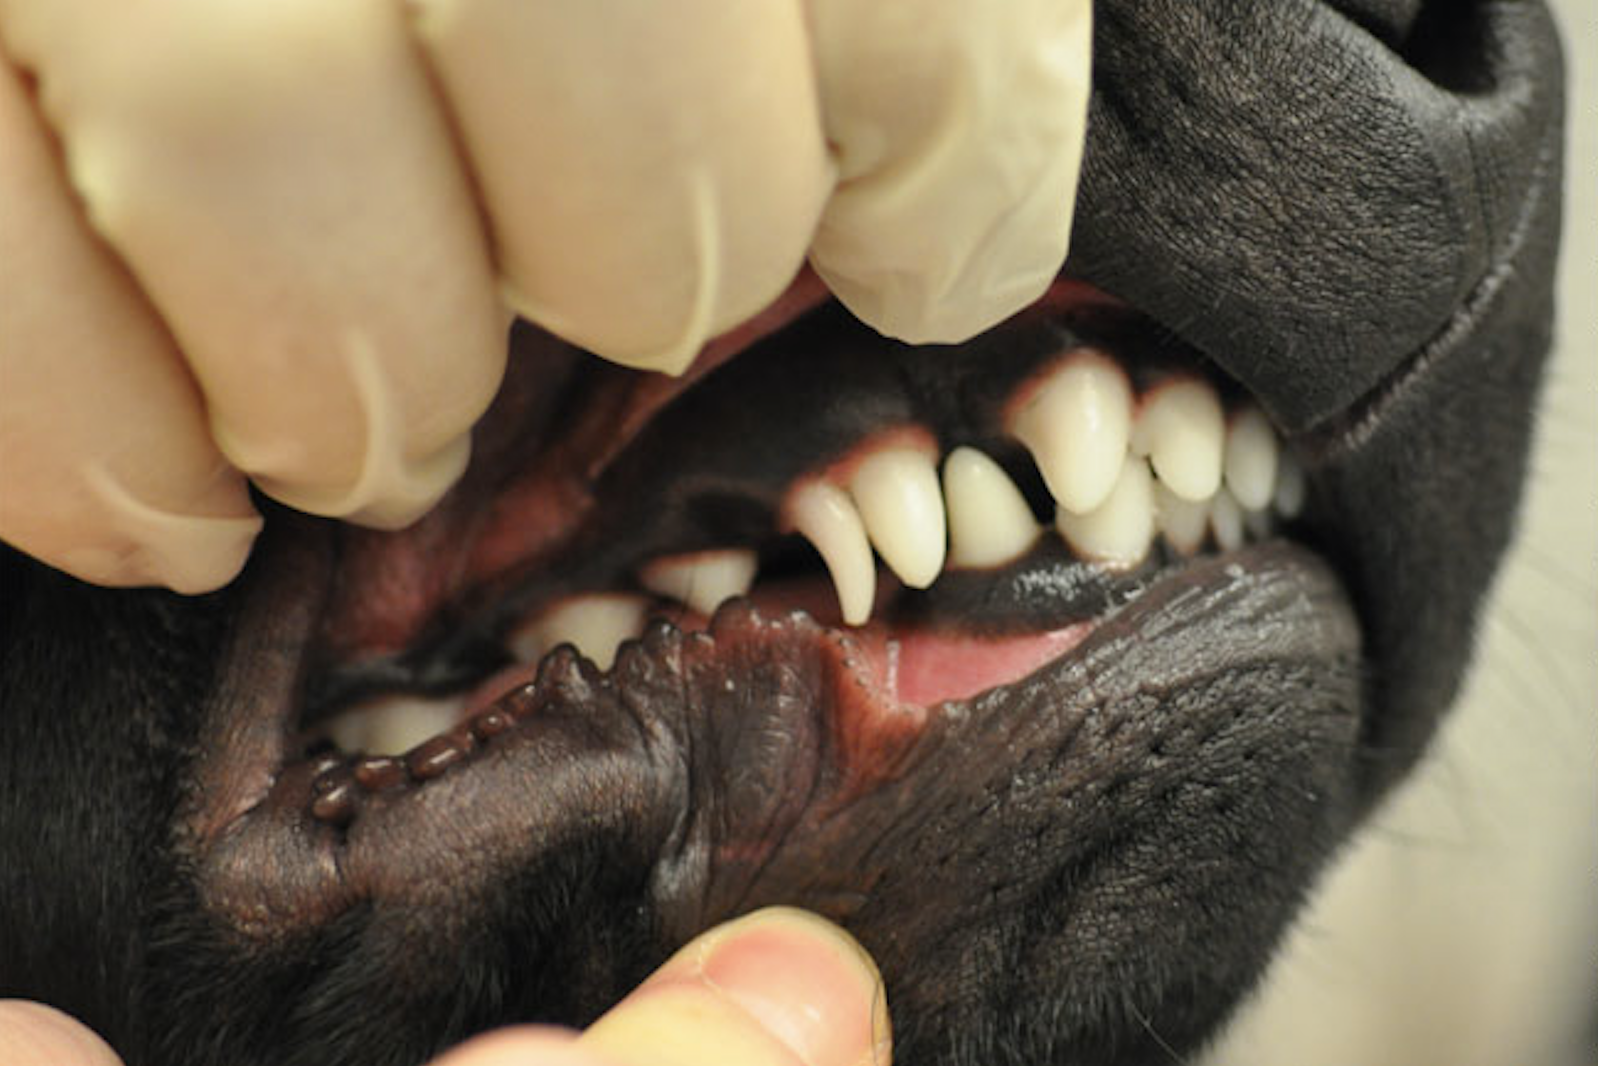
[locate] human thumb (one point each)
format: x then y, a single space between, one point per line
32 1034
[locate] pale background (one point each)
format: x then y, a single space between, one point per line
1462 930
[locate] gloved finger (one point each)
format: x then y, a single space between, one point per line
107 469
958 129
32 1034
652 172
779 987
282 183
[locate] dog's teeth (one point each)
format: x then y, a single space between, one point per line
595 624
1288 496
1258 524
896 493
1182 522
393 724
1117 532
989 521
1251 459
1226 521
702 580
1182 430
825 516
1076 426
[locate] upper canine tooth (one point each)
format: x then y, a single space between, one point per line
1118 531
1182 430
1183 522
989 521
824 515
896 491
594 623
1251 458
702 580
1076 425
393 725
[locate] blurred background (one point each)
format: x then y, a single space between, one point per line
1462 929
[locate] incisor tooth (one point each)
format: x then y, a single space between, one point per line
989 521
595 624
1182 430
825 516
1182 522
1226 521
393 725
1251 457
702 580
896 491
1118 531
1076 426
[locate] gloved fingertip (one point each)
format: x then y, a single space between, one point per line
34 1034
912 310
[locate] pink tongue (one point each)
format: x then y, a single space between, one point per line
924 668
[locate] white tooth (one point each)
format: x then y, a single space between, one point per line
989 521
1288 498
595 623
1226 521
393 725
1183 522
896 491
1258 524
1182 430
1076 426
702 580
1251 455
1118 531
825 515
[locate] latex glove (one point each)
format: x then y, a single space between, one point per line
776 988
285 234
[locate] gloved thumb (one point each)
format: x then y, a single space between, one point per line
32 1034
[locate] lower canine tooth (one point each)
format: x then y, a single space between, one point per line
896 492
1288 498
1118 531
1182 430
1182 522
1076 426
1226 521
989 521
1251 458
702 580
595 623
393 725
825 516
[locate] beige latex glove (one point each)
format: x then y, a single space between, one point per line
776 988
278 240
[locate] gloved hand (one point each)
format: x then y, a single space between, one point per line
776 988
280 239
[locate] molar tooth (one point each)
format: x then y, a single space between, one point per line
1183 522
1118 531
1076 426
1251 459
989 521
594 623
824 515
1288 496
1226 521
392 725
896 491
702 580
1182 430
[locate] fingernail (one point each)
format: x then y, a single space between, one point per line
809 983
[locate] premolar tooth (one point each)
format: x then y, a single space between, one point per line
1288 497
1182 430
897 494
824 515
989 521
594 623
1251 459
1076 426
702 580
1183 522
1118 531
1226 521
393 725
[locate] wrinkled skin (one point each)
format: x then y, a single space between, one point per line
1351 212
